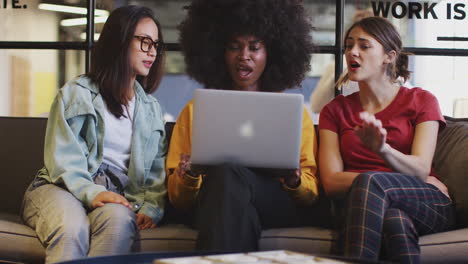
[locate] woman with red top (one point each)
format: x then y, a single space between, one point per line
376 149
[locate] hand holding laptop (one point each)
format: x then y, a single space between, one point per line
293 180
184 166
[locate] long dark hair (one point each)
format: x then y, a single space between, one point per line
387 35
110 62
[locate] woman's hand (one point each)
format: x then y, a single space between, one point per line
437 183
184 165
109 197
144 222
293 180
372 133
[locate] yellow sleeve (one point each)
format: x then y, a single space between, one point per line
182 191
307 192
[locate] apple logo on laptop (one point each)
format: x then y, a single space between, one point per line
246 129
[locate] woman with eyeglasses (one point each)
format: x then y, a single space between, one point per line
105 147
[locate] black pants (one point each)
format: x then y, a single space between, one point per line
235 203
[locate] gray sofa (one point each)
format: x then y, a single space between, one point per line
21 152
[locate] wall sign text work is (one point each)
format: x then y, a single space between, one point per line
418 10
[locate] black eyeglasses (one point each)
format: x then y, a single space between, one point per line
146 43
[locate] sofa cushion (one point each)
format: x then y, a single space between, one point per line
445 247
166 238
312 240
18 242
451 164
173 237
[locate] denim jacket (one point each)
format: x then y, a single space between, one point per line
73 148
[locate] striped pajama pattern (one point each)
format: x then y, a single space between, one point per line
392 210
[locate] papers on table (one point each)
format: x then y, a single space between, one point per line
261 257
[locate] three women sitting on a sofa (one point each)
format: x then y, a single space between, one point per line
383 128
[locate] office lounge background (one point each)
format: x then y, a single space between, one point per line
43 46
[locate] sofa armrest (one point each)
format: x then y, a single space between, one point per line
451 164
21 156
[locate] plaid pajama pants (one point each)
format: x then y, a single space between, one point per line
393 209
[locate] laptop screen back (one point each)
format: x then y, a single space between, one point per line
254 129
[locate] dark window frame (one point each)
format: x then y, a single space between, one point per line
337 49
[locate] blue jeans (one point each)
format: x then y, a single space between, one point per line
68 231
393 209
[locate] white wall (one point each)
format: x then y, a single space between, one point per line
4 70
5 95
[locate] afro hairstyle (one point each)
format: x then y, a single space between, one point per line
282 25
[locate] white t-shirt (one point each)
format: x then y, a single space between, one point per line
118 137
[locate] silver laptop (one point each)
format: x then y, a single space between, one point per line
254 129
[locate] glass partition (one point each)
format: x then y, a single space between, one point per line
177 88
57 20
323 16
169 13
28 76
446 78
29 79
436 24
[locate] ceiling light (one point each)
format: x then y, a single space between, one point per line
81 21
71 9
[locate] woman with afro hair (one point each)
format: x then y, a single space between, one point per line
261 45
